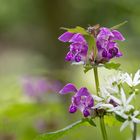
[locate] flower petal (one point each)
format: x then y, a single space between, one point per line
69 56
72 109
86 113
136 120
89 101
78 63
68 88
128 79
124 125
114 99
121 114
130 98
97 98
65 37
97 106
107 106
104 33
77 38
117 35
136 79
136 113
83 92
123 97
76 100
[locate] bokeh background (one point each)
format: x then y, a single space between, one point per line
31 57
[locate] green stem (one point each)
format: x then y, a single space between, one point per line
102 124
134 132
96 80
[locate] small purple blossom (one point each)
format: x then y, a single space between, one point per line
81 100
37 87
78 47
106 44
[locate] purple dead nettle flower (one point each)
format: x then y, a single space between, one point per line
37 87
34 87
81 100
106 44
78 47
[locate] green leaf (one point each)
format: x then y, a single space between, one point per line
87 67
112 65
57 134
90 121
118 26
90 40
119 118
77 29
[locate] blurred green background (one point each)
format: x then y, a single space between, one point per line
29 46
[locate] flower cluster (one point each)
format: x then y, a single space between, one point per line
81 100
107 47
113 98
106 44
91 47
78 47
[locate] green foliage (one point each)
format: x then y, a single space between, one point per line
119 118
90 121
87 67
118 26
91 43
57 134
77 29
112 65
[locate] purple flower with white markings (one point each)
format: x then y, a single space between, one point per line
81 100
78 47
106 44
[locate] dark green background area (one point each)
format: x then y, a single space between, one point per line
28 45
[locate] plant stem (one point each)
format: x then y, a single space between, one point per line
134 132
102 124
96 80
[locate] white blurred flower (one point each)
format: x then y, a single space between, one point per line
113 98
126 110
130 120
115 79
123 103
112 84
101 102
107 102
130 80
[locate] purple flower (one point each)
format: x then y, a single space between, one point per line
106 44
81 100
37 87
78 47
